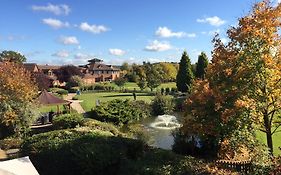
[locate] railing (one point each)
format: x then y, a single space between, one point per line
244 167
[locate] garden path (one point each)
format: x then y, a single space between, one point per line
75 104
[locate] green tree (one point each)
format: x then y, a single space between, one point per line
185 74
65 73
12 56
153 77
120 82
142 84
201 66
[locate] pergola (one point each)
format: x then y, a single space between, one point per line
49 99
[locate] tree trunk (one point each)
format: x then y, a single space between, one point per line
269 141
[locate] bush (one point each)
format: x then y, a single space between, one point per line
167 91
162 105
95 124
55 90
10 143
62 92
80 152
73 89
119 112
67 121
74 98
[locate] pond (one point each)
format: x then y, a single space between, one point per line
160 130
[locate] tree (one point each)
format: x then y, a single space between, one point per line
64 73
201 66
125 67
120 82
153 77
185 75
17 91
142 84
42 81
242 88
169 71
12 56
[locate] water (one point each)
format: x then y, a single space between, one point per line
160 129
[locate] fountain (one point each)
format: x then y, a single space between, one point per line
167 122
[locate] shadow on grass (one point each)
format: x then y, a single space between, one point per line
130 95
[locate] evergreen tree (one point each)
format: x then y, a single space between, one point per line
201 66
185 74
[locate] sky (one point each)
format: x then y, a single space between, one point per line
71 31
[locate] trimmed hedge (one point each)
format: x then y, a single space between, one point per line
68 121
75 152
120 111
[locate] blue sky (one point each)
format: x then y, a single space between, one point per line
71 32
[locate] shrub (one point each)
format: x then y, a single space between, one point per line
67 121
74 98
62 92
55 90
119 112
95 124
73 89
167 91
10 143
80 152
162 105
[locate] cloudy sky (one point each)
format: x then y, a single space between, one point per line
71 32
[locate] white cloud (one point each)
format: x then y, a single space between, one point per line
214 21
117 52
82 56
157 46
61 54
68 40
165 32
96 29
61 9
191 35
55 23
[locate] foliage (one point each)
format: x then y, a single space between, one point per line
170 71
65 73
16 95
42 81
185 75
67 121
119 112
80 152
120 81
62 92
242 86
142 84
153 77
201 66
74 81
162 104
98 125
12 56
10 143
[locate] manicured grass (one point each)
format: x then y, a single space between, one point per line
132 86
276 141
89 99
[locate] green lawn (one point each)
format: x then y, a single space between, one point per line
132 86
89 99
276 141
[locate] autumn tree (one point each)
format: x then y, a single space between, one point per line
170 71
242 86
17 92
65 73
12 56
185 74
42 81
201 66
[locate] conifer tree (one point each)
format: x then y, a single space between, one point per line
201 66
185 74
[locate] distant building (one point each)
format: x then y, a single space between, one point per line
96 71
31 67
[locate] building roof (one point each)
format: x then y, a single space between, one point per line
30 66
48 67
47 98
98 66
